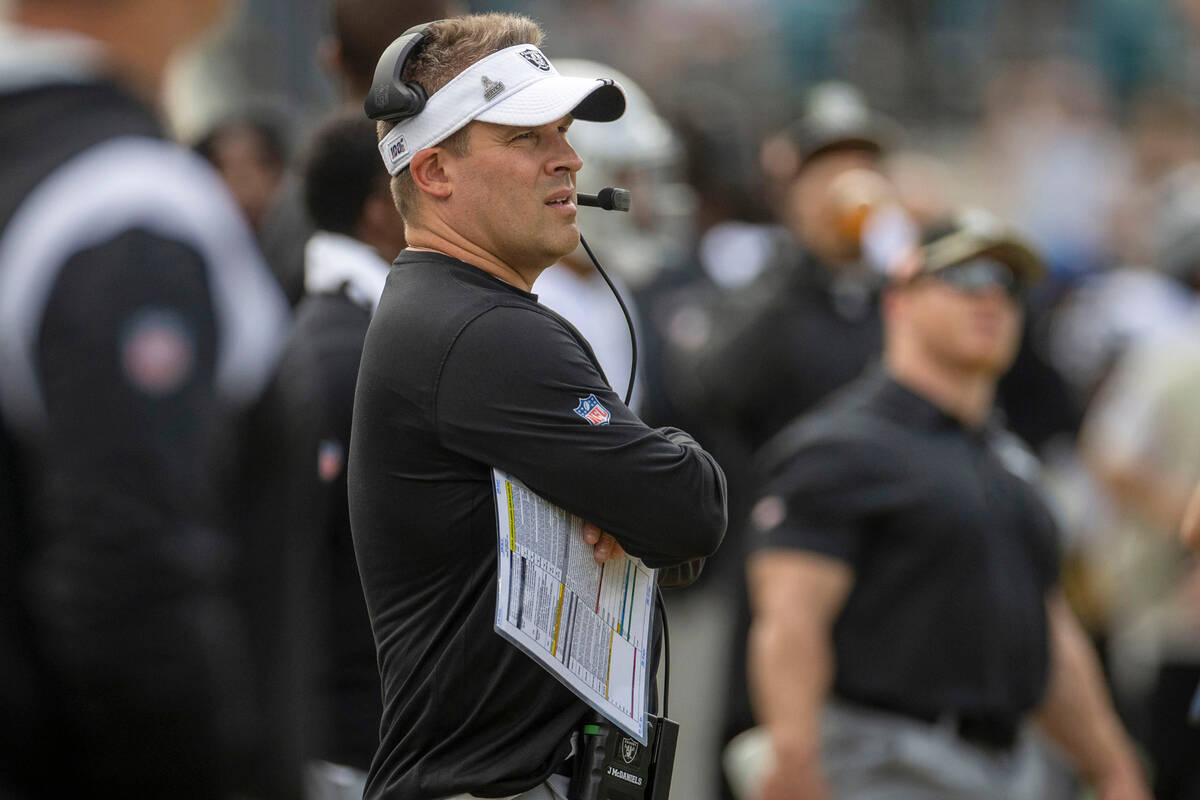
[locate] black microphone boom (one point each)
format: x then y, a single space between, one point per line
609 198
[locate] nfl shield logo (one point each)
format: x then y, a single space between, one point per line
592 410
330 458
628 750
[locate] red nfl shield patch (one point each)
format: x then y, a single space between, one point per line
331 456
593 410
157 352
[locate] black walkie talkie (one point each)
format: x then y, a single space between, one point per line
612 765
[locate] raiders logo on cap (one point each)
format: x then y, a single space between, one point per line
536 58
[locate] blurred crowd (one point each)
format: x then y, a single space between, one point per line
782 157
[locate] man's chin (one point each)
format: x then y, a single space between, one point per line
568 245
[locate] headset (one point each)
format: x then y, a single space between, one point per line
391 97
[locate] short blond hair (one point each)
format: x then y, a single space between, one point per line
449 47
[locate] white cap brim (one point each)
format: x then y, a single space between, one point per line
590 99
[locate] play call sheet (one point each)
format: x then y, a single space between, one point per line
588 624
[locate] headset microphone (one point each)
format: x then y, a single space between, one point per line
609 198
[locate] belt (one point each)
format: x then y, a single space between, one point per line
990 731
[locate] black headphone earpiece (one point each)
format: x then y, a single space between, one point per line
391 97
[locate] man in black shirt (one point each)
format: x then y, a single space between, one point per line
463 371
907 612
136 321
346 264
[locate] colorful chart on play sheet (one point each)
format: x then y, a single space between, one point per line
586 623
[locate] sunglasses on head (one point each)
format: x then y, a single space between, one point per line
979 275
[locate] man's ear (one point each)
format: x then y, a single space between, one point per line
429 173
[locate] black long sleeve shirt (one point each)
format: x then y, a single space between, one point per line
462 372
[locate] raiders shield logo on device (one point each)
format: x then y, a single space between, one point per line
536 58
628 749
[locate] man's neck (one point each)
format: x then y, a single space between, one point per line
578 266
450 244
965 395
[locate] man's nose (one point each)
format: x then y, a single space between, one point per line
566 159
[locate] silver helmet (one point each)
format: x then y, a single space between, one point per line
642 153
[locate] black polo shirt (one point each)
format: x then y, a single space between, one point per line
462 372
953 549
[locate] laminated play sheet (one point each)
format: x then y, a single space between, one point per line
588 624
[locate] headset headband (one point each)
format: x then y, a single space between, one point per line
391 97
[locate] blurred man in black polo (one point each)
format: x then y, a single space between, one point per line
907 615
462 371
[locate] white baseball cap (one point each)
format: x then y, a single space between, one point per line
514 86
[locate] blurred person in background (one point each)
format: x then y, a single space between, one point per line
138 325
735 218
907 615
251 156
346 263
1084 335
1141 441
1054 162
361 30
711 236
806 325
1087 329
809 322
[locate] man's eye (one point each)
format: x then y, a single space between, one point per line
525 135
